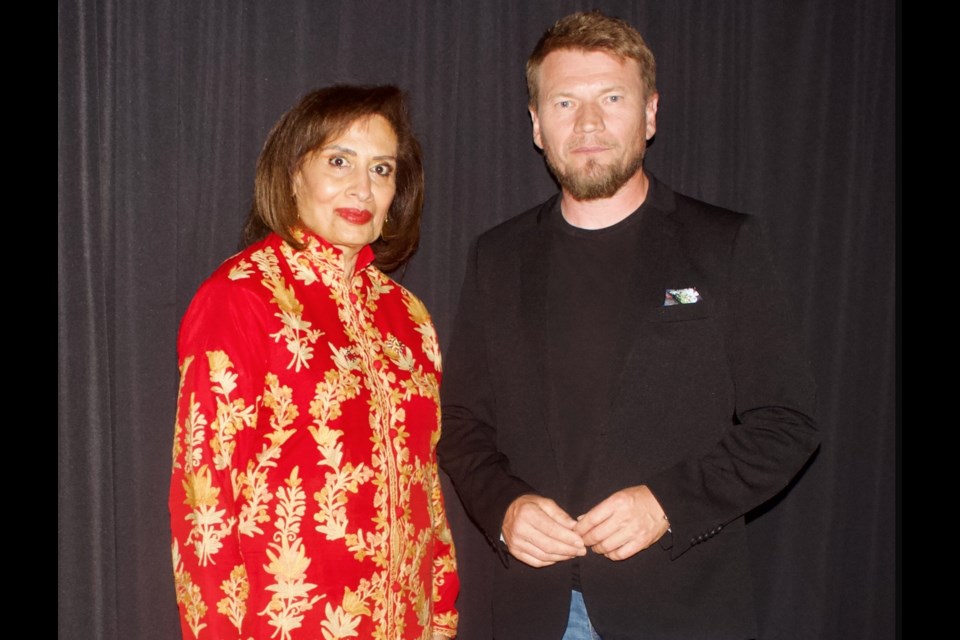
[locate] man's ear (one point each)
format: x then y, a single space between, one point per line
535 120
651 114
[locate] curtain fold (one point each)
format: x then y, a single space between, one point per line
87 579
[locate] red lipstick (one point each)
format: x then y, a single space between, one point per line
354 216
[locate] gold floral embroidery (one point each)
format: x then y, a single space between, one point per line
355 602
419 383
339 624
296 331
232 415
289 562
339 385
324 259
241 270
209 527
267 263
448 620
300 265
421 317
380 285
188 594
401 355
177 426
236 588
195 435
252 483
332 498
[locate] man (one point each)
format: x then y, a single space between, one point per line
621 388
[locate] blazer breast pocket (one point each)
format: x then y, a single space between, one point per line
680 312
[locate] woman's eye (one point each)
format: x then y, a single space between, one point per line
383 170
338 161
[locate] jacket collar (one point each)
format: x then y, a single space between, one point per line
326 256
660 198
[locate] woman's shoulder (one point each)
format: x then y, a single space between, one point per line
244 269
403 301
236 284
387 285
408 317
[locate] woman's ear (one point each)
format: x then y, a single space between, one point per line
296 183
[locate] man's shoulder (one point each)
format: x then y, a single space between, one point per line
514 229
695 217
704 229
696 214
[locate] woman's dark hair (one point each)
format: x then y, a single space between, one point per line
319 117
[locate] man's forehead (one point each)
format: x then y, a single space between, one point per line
577 66
590 50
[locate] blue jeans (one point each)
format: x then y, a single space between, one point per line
578 622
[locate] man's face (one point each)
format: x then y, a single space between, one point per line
592 121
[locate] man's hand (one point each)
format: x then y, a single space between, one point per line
624 524
539 533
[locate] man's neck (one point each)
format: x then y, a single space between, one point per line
606 212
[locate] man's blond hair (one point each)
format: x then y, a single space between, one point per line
593 31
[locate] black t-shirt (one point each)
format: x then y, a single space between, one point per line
590 272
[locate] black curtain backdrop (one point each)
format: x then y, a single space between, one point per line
782 109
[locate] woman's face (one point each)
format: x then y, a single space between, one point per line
344 188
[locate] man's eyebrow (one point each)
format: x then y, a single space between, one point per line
572 92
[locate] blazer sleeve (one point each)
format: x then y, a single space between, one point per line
773 432
468 449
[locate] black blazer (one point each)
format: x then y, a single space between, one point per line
712 410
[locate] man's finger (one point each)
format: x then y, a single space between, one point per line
595 524
538 532
557 514
600 532
546 539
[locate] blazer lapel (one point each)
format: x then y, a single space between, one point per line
534 269
659 257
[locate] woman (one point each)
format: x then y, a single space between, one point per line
305 500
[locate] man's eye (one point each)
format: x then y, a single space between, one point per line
564 104
614 98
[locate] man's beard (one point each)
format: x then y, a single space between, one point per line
596 181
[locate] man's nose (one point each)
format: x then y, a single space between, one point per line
589 119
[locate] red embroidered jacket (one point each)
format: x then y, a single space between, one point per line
305 500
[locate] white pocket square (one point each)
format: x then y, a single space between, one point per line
681 296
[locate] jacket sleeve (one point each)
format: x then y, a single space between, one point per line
468 447
220 378
773 432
